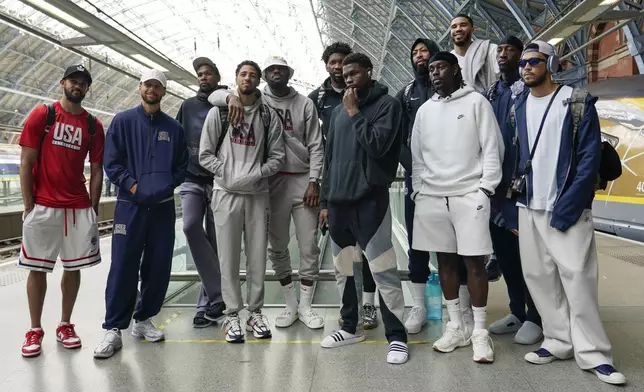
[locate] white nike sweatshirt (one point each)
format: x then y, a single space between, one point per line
456 145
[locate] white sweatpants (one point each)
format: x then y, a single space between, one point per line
560 270
287 198
236 214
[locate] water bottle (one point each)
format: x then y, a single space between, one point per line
434 298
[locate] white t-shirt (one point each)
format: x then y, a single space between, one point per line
544 165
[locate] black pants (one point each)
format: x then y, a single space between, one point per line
506 248
367 224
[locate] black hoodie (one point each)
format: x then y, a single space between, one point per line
191 115
362 151
421 90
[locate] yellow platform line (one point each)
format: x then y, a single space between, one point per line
168 321
270 341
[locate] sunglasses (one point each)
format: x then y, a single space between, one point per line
533 62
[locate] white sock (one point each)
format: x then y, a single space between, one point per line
306 295
480 317
464 296
368 298
418 294
454 311
290 296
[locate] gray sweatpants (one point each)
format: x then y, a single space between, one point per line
287 198
195 202
236 214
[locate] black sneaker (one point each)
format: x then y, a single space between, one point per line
200 321
215 312
493 270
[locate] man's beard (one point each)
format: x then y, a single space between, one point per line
464 42
74 98
538 82
247 90
150 101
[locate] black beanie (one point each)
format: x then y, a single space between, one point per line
512 40
444 56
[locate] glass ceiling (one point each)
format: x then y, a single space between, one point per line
226 31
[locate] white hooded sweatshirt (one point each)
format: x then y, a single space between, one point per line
456 145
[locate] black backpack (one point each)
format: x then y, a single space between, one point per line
610 167
51 119
264 111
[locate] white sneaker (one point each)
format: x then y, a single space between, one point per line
310 318
146 329
286 318
453 337
110 344
482 346
232 328
258 324
398 353
416 319
468 320
342 338
508 324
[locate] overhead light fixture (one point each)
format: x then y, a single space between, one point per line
608 2
555 41
145 61
45 6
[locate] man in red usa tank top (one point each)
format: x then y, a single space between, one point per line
60 217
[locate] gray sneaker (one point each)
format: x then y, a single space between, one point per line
110 344
146 329
370 316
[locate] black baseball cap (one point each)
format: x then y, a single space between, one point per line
199 61
74 69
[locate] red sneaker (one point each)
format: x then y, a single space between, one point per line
66 334
33 340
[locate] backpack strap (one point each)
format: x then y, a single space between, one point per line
223 118
577 102
407 96
91 126
490 94
51 117
265 112
320 100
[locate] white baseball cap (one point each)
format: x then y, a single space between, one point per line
541 47
277 60
153 74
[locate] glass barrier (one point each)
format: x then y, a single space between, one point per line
185 293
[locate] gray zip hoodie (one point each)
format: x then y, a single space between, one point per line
239 165
302 134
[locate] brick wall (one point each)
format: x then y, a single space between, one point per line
610 56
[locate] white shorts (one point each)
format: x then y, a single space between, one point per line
455 224
49 233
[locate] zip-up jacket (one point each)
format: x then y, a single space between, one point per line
303 141
504 211
330 100
192 114
148 150
247 155
363 150
420 91
577 165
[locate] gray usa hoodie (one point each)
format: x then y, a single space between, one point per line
239 165
302 134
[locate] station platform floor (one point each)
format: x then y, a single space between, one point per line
200 360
